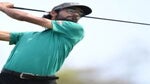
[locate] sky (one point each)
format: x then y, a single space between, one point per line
122 48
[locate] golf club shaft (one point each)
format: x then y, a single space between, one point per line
118 20
88 17
30 9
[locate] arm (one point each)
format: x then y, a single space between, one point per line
23 16
5 36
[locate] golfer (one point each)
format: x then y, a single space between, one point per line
37 56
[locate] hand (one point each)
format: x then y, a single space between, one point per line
5 5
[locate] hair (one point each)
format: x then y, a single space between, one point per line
48 16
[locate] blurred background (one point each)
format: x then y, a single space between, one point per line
110 53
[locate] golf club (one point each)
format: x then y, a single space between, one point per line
88 16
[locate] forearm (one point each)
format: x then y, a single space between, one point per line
4 36
7 8
13 13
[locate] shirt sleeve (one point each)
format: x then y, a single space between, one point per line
69 29
14 37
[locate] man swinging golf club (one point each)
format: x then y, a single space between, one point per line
37 56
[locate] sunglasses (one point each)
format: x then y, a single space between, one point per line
73 10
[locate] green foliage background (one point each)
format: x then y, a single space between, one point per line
85 76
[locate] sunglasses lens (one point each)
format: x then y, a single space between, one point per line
71 11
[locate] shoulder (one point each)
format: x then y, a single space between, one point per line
66 23
66 26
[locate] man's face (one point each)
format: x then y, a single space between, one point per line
70 14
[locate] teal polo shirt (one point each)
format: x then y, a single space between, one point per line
43 53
